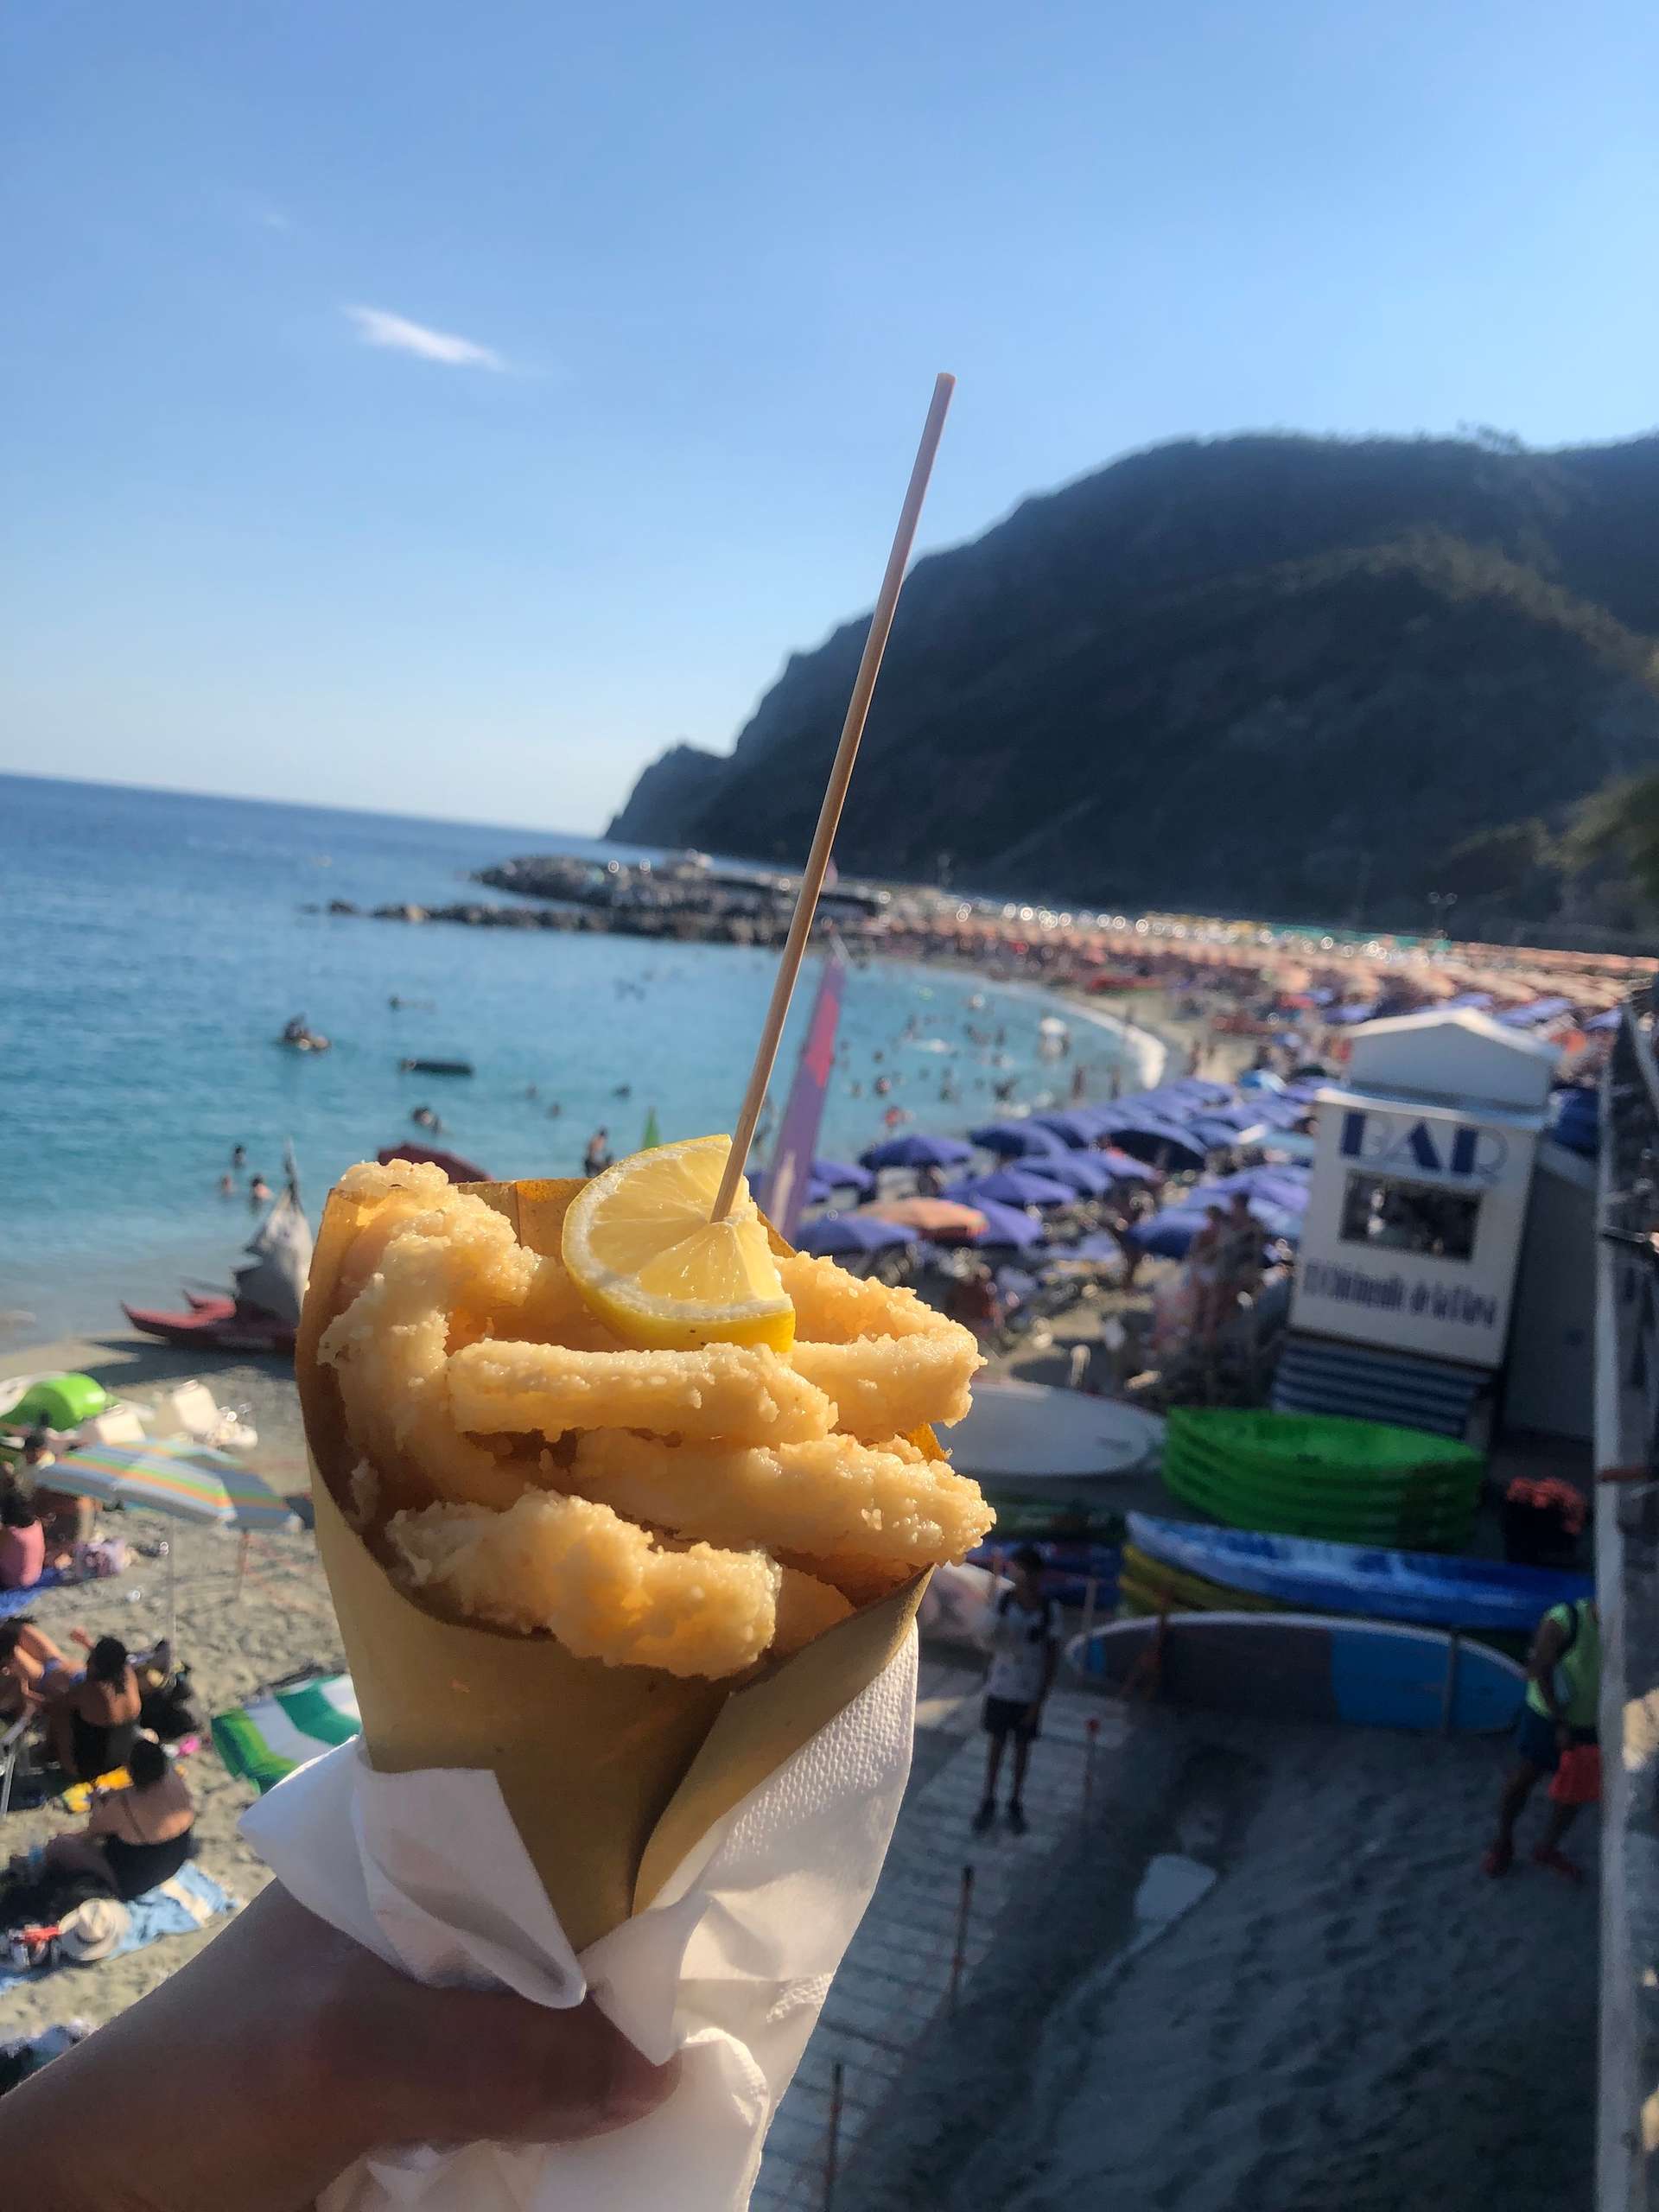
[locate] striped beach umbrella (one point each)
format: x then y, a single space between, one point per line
186 1481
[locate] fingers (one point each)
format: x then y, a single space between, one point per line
490 2065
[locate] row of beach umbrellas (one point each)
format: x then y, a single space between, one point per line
1053 1160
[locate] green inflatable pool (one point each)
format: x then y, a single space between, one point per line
1354 1482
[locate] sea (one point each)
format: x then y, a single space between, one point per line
153 944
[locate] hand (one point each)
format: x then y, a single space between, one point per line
304 2052
1563 1737
1034 1713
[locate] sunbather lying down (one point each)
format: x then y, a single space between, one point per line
28 1659
136 1838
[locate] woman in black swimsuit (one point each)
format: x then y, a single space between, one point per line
135 1838
93 1723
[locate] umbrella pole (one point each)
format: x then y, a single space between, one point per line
242 1559
172 1604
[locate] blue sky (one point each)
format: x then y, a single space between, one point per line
444 408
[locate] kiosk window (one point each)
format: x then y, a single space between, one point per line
1397 1216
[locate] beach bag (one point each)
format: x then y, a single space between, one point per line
170 1710
1577 1779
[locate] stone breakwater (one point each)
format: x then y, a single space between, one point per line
680 923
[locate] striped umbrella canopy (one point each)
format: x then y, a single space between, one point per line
184 1481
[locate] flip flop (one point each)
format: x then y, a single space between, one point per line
1498 1861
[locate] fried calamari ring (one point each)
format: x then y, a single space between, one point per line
597 1583
740 1393
832 1307
885 1386
827 1496
391 1345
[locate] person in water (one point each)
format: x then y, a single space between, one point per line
597 1158
1563 1697
258 1192
238 1157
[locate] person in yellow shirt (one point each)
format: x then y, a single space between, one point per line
1563 1694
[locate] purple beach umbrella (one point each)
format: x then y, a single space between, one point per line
918 1150
1017 1140
834 1236
1013 1186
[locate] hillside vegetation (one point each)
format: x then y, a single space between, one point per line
1267 674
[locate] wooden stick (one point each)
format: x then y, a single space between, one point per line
841 773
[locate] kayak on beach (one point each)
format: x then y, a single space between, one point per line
1379 1585
1295 1667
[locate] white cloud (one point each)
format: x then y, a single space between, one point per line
375 327
272 219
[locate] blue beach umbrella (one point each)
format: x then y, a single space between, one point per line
842 1175
836 1235
1099 1245
919 1150
1168 1234
1006 1225
1013 1186
1076 1129
1086 1173
1017 1140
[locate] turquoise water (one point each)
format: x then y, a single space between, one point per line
152 945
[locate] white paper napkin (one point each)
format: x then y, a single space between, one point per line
730 1965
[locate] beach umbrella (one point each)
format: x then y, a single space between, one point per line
842 1175
1085 1173
1149 1139
1100 1245
181 1482
1017 1140
1014 1186
1077 1129
918 1150
836 1235
940 1219
1006 1225
1123 1167
1168 1234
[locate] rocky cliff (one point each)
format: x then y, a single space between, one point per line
1280 675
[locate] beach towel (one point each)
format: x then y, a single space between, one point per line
180 1907
13 1602
266 1740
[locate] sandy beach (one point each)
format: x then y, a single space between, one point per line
1352 2016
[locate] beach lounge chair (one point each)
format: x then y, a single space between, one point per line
15 1758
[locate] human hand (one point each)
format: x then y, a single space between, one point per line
1563 1738
1034 1713
283 2052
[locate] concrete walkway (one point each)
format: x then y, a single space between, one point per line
894 1982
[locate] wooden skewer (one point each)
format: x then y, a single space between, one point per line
841 773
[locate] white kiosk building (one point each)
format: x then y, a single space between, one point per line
1446 1274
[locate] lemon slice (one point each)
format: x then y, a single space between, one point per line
641 1248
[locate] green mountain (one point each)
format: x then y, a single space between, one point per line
1264 674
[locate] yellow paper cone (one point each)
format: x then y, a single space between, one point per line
610 1774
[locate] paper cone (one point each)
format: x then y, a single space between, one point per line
610 1774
